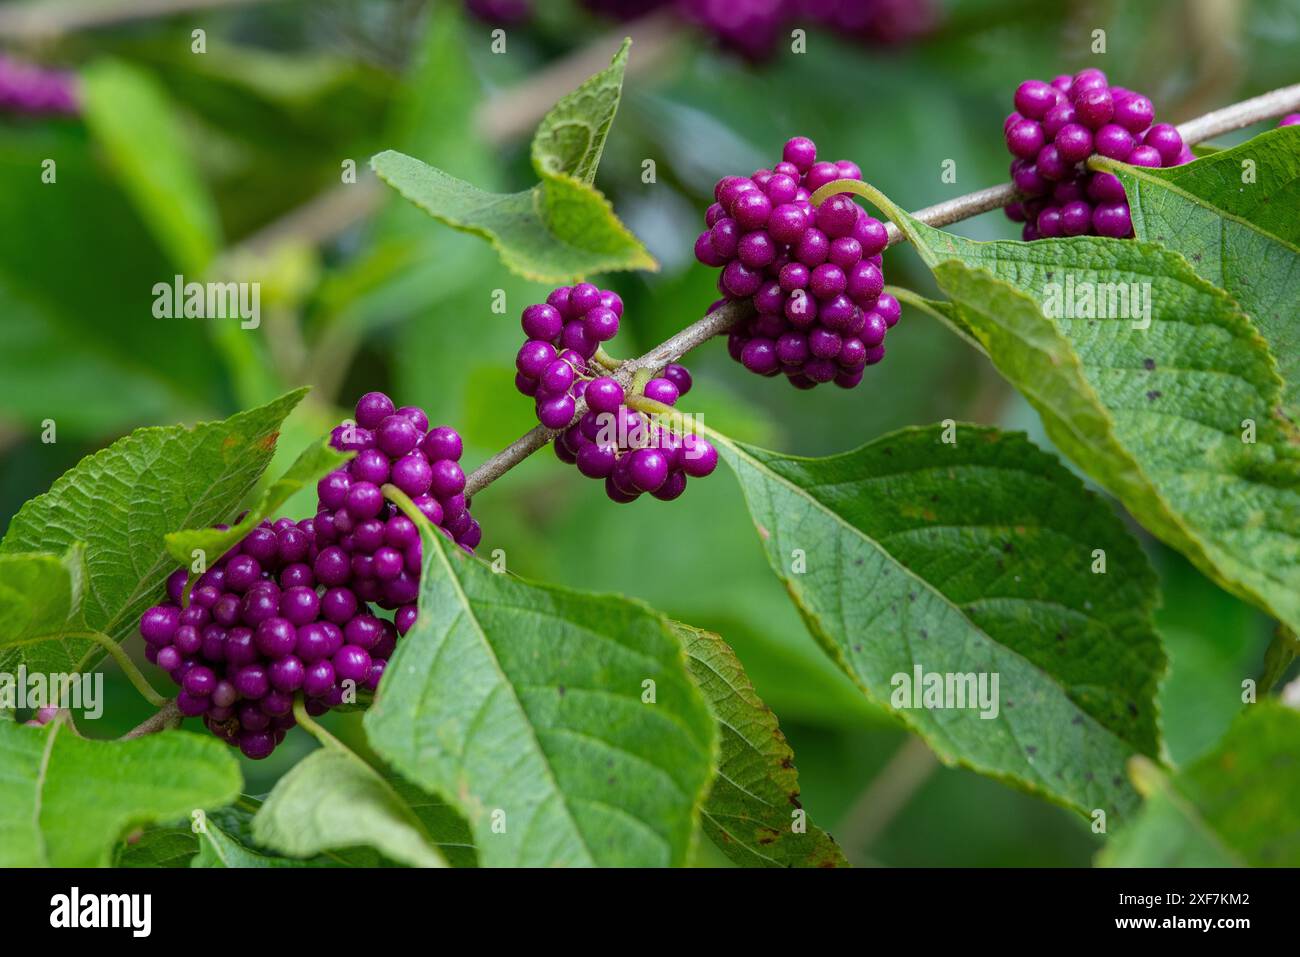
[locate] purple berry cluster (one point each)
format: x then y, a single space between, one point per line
886 22
263 624
751 28
288 609
563 334
624 9
364 538
500 12
36 91
632 453
1055 128
813 275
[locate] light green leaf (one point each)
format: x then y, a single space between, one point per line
755 792
1239 232
1159 416
128 112
40 596
563 726
1237 806
315 461
123 500
974 556
331 800
65 800
562 228
224 838
571 137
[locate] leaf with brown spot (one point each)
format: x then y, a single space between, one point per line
748 811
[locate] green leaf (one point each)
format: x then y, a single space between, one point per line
1242 236
1237 806
122 501
755 792
128 112
315 461
158 847
40 596
562 228
225 840
1156 415
571 137
332 799
528 709
65 800
974 556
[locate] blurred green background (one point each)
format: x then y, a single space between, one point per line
213 164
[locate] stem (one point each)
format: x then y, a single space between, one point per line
1234 117
168 716
886 795
124 662
605 360
1276 103
314 728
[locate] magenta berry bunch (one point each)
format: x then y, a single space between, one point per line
563 334
812 274
262 625
886 22
36 91
1053 131
365 541
751 28
632 452
500 12
624 9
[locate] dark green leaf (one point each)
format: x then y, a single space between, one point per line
971 552
157 847
1233 215
1162 416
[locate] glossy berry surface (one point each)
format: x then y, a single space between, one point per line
819 302
564 333
632 452
238 657
1053 131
